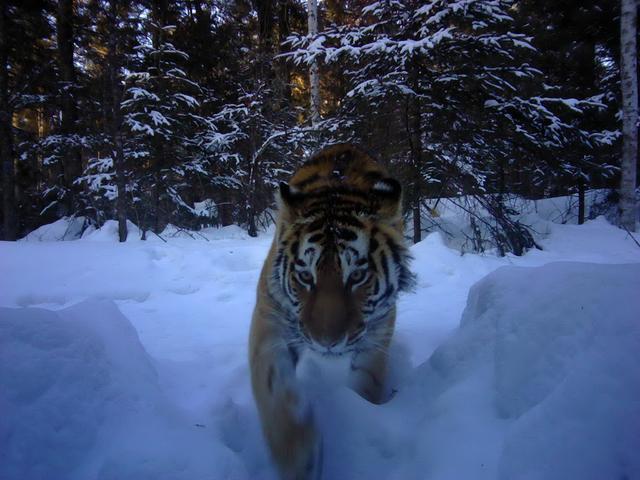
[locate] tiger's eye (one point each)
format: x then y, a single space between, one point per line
357 276
305 276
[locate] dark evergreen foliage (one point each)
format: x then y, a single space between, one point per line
191 112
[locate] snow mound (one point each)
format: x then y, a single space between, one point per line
80 399
109 232
230 232
450 216
557 349
66 228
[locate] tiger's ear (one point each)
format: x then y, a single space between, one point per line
287 194
388 195
288 201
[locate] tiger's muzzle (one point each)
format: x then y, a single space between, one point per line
331 318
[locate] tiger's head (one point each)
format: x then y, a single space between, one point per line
340 259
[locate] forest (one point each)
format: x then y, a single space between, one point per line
156 325
190 112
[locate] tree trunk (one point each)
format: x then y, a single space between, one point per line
581 202
157 188
225 209
264 9
159 13
71 163
413 121
121 183
252 182
282 66
417 224
629 74
314 74
115 121
10 218
253 229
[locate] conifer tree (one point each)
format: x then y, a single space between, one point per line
461 78
161 114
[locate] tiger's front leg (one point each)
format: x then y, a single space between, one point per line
286 415
368 375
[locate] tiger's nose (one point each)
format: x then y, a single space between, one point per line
330 342
348 338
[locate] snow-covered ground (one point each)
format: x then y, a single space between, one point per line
129 361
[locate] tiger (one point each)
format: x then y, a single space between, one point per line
329 285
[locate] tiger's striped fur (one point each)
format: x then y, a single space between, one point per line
329 284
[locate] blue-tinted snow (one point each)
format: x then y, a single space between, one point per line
148 377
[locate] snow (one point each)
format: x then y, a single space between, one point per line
129 360
158 118
140 93
205 208
109 232
539 382
66 228
81 399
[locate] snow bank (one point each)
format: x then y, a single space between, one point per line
522 389
80 399
554 349
570 374
109 232
230 232
66 228
75 228
445 215
450 216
